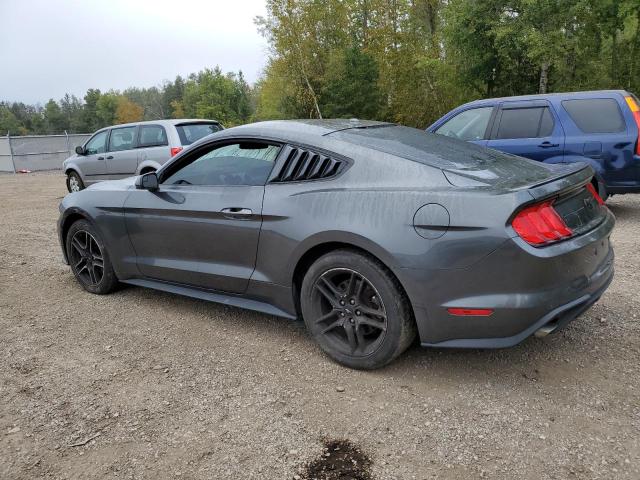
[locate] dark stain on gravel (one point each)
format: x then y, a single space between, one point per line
340 460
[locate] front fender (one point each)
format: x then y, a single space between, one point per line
72 164
103 208
68 215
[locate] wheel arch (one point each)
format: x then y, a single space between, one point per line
69 219
147 166
72 168
320 249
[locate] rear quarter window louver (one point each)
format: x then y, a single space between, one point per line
301 164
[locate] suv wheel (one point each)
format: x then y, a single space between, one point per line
355 310
89 259
74 182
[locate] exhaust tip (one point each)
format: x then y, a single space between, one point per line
546 330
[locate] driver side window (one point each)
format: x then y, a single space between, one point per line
468 125
243 163
97 144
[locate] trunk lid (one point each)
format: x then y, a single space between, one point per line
572 197
463 164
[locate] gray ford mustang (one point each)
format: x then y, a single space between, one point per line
372 232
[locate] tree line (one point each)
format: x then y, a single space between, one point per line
206 94
410 61
406 61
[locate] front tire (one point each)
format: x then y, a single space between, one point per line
356 310
74 182
89 259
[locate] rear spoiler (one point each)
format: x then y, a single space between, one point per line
575 174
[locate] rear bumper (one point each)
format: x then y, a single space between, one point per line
527 289
555 320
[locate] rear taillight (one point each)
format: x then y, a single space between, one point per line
633 106
595 194
540 224
175 151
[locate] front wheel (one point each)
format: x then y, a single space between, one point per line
356 310
74 182
89 259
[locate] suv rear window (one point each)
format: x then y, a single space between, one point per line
190 132
595 115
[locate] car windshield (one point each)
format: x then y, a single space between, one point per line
191 132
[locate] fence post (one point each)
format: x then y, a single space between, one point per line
13 163
68 147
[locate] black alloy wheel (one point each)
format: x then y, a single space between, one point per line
352 315
86 258
89 259
356 309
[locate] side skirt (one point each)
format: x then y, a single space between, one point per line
225 299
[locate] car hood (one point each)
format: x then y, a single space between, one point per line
123 184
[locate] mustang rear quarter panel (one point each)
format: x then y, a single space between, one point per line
522 283
372 206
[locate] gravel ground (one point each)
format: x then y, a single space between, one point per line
142 384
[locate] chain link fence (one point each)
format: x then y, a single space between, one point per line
38 152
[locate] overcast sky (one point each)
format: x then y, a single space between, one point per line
51 47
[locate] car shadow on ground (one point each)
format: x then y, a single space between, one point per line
454 365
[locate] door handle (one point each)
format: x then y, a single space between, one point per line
548 145
100 158
110 157
236 212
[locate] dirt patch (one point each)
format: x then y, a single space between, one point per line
340 460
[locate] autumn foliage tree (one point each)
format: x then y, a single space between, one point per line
128 111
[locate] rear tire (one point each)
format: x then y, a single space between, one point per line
74 182
356 310
89 259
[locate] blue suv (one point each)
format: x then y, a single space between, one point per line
600 128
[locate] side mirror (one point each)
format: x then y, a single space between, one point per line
80 150
148 181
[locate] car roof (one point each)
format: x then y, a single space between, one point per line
171 121
560 95
297 129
